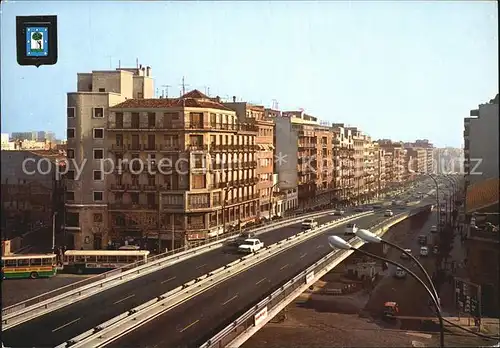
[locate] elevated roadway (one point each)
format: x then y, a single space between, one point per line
195 321
61 325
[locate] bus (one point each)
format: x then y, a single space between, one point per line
29 266
98 261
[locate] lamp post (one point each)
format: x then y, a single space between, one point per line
271 196
438 217
54 231
336 242
454 185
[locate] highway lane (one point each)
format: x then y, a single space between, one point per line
63 324
195 321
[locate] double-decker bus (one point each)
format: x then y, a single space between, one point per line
98 261
29 266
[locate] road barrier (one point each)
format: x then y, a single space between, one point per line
55 299
131 320
236 333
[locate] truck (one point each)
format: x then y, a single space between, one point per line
251 245
309 223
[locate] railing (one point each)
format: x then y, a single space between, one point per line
247 320
227 236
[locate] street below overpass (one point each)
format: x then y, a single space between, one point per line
195 321
61 325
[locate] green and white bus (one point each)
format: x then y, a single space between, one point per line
98 261
29 266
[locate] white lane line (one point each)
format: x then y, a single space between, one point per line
285 266
232 298
200 266
123 299
167 280
67 324
260 281
303 255
187 327
319 246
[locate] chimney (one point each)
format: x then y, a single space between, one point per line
217 99
148 70
234 99
140 66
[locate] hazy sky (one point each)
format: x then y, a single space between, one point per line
400 70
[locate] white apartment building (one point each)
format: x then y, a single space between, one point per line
87 121
481 143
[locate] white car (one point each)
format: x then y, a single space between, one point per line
309 223
434 229
251 245
388 213
424 251
400 273
337 213
404 256
350 229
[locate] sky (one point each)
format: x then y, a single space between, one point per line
401 70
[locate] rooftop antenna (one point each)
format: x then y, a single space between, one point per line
275 104
184 85
110 64
165 89
137 63
207 90
119 64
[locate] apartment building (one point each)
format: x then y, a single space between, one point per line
371 168
396 154
481 143
359 163
416 159
429 150
256 115
344 165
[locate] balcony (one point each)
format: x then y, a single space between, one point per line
199 205
132 206
196 147
133 187
150 188
117 187
195 226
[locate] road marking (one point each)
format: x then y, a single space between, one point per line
260 281
167 280
187 327
303 255
123 299
319 246
232 298
200 266
67 324
285 266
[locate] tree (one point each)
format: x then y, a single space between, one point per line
145 222
38 38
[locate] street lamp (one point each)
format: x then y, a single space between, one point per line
271 196
438 217
336 242
54 231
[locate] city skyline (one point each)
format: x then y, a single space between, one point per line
461 75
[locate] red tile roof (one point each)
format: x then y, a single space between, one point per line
483 194
192 99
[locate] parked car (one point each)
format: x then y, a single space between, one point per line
435 250
424 251
404 256
251 245
309 223
350 229
388 213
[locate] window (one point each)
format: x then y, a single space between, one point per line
98 196
70 196
72 219
151 119
98 175
102 90
70 175
97 217
98 112
70 133
98 133
119 120
198 181
98 154
70 153
119 139
70 112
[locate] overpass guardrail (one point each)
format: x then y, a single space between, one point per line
55 299
251 321
138 316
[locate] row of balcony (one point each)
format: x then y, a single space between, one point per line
164 188
187 147
234 165
136 126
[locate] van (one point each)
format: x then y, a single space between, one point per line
309 223
350 229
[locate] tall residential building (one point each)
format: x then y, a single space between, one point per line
481 143
429 149
255 114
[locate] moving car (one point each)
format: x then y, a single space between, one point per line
388 213
404 256
350 229
251 245
422 240
338 212
434 229
309 223
242 238
400 273
424 251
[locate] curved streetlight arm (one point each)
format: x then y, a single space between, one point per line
419 265
420 281
437 200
